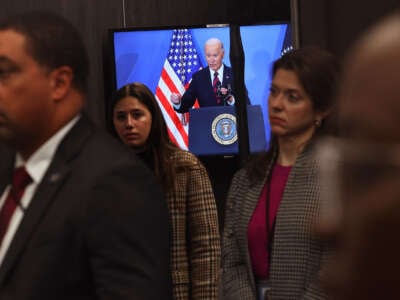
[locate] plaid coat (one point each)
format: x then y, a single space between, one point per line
296 254
195 251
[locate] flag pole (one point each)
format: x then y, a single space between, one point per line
237 61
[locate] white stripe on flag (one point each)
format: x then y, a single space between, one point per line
167 93
171 126
168 112
175 79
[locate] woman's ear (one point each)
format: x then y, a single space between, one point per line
321 115
61 81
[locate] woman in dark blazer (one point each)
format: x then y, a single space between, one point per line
269 251
195 251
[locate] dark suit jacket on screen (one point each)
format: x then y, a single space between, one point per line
201 88
96 227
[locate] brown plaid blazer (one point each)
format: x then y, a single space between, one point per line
296 254
195 251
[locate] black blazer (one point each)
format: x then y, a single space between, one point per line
201 88
96 228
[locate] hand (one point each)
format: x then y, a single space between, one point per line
223 91
175 98
226 95
229 99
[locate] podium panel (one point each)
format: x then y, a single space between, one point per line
213 131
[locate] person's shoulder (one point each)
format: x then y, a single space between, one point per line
101 152
106 145
184 158
227 68
254 169
308 156
228 71
201 72
240 174
105 157
180 155
86 139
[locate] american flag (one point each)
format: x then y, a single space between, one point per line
181 62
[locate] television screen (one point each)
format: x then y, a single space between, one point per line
147 55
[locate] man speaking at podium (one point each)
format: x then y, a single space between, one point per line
211 86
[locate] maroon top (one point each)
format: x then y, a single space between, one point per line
257 233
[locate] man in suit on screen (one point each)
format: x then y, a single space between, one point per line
211 86
80 218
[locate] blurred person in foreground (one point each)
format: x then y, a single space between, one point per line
367 224
195 254
80 218
269 250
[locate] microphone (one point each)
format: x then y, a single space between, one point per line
219 86
218 92
228 94
229 89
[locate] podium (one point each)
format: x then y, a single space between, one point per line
213 130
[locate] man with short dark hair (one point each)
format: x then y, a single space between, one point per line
81 218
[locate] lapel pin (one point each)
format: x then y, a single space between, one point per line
54 177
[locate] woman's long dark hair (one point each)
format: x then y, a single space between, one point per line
318 73
158 144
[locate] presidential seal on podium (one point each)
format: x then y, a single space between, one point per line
223 129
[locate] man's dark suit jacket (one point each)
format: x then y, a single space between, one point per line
201 88
96 228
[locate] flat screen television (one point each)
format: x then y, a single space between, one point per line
140 55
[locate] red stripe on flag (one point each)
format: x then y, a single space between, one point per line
172 114
169 82
172 137
178 70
